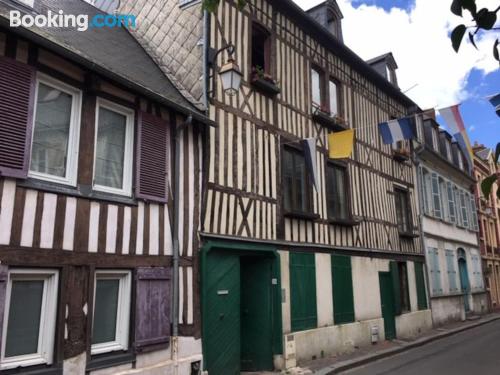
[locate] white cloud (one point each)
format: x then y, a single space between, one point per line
472 128
420 43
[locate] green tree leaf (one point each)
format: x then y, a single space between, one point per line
471 38
456 36
495 50
456 7
470 5
486 19
487 185
497 152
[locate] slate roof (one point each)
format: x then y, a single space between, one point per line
113 52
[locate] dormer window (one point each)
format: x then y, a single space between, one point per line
28 3
388 74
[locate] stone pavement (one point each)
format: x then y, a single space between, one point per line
364 355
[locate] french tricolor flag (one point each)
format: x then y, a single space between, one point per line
396 130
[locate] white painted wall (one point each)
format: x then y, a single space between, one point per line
413 324
324 288
154 363
334 340
447 309
366 286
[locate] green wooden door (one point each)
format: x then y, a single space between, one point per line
388 305
256 314
222 316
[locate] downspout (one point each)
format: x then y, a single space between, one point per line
206 31
179 131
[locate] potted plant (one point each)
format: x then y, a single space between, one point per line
264 81
323 116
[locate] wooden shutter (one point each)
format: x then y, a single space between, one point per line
436 196
152 159
420 281
153 301
451 202
343 295
396 287
452 273
17 91
303 291
3 289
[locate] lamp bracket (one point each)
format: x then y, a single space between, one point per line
213 54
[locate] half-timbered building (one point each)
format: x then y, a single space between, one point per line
289 271
489 223
449 225
96 146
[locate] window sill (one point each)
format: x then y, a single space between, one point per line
102 361
408 235
327 120
82 191
344 222
401 155
265 86
301 215
35 370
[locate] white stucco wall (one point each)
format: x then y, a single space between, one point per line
366 286
447 309
324 288
334 340
155 363
413 324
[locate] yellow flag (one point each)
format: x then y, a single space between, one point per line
340 144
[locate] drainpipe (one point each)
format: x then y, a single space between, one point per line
179 131
206 47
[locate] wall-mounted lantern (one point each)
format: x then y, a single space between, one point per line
230 73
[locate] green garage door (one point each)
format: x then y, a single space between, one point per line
222 316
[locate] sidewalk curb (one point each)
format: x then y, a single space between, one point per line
360 361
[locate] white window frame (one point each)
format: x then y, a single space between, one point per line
122 314
48 316
74 131
128 150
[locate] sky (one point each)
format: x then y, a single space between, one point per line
417 33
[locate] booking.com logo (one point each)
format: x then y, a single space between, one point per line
81 22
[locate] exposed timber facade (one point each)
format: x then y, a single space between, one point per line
319 281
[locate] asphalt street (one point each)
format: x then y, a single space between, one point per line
472 352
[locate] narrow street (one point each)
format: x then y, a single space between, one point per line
471 352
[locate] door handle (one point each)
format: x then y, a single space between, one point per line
221 316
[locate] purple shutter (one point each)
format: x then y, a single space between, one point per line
3 289
152 316
17 91
152 159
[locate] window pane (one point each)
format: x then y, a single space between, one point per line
341 193
334 109
288 180
301 181
110 150
315 86
51 133
23 325
105 311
